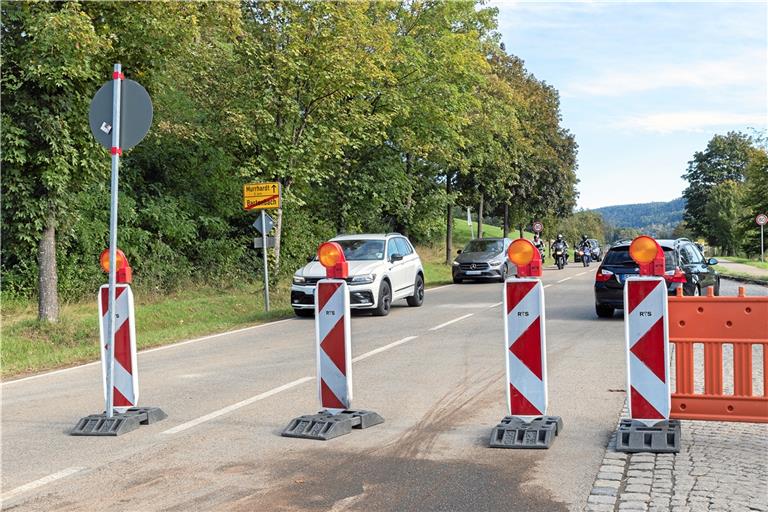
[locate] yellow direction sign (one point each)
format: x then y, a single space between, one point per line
261 196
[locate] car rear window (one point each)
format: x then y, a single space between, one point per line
619 257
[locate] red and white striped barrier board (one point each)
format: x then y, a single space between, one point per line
126 378
334 360
525 345
647 335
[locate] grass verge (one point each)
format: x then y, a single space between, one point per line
752 263
739 276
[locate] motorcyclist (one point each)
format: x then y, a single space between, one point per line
559 241
538 243
584 245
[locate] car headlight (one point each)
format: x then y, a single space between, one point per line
363 279
299 280
496 262
455 263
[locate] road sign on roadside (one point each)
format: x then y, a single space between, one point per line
135 114
264 224
761 219
258 243
538 227
262 196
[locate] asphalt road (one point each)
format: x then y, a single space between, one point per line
435 373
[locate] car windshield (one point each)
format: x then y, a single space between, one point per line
619 257
361 250
494 246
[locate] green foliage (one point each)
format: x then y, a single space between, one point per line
375 116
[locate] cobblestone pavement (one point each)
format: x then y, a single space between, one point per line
721 466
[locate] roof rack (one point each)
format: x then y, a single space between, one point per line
394 233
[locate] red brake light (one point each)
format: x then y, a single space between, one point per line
675 276
603 275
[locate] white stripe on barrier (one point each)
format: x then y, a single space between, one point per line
646 314
334 379
123 381
527 383
523 315
326 322
648 384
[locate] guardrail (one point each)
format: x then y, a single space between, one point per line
713 322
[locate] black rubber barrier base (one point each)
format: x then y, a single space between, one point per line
635 436
119 423
324 425
513 432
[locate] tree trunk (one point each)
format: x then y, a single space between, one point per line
449 221
521 231
506 221
48 293
480 219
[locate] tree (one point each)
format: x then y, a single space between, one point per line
722 212
51 68
725 158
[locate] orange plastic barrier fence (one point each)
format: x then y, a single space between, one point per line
713 322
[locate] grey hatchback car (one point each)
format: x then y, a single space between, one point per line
483 258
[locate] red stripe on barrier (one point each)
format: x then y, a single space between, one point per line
327 398
641 408
519 405
639 291
324 293
333 345
527 348
119 400
517 293
650 349
123 346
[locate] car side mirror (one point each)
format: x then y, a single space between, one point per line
310 258
396 257
712 261
458 252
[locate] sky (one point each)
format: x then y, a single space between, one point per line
644 85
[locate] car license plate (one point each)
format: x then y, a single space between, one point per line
473 272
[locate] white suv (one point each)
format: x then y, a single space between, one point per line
382 269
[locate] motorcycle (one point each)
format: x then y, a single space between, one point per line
558 253
586 256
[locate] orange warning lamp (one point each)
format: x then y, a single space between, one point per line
124 272
331 256
526 257
648 254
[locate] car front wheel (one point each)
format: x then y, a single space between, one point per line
304 313
385 300
417 299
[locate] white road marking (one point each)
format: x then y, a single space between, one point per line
39 483
494 305
450 322
563 280
582 273
547 285
238 405
468 305
382 349
164 347
274 391
440 287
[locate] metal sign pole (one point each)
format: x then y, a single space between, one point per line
762 244
116 81
266 267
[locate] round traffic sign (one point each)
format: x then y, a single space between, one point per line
135 114
538 227
761 219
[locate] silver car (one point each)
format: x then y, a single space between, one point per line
484 258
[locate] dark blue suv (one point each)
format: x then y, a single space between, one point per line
681 256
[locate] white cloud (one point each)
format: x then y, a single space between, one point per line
692 121
745 69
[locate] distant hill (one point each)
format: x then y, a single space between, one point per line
656 219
